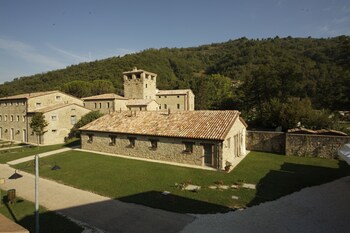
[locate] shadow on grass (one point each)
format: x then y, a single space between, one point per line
293 177
74 143
174 203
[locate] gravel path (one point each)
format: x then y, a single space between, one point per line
323 208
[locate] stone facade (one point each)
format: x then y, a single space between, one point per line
266 141
140 84
306 145
176 100
106 106
16 113
142 105
168 149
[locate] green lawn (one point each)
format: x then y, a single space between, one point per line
142 182
22 212
13 154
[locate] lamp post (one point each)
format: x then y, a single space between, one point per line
36 193
16 176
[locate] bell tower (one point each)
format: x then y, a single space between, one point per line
139 84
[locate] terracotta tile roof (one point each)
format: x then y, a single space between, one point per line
138 102
187 124
174 92
57 106
107 96
28 95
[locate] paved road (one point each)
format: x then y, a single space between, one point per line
101 212
320 209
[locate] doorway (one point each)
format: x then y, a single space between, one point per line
208 154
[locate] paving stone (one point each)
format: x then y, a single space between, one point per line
192 187
249 186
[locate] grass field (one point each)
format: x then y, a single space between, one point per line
13 154
143 182
22 212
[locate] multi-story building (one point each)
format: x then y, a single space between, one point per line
141 94
105 103
60 110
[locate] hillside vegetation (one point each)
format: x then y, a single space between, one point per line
266 79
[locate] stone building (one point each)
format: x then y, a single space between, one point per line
60 111
141 94
176 100
106 103
200 138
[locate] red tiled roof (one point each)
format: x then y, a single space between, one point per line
56 106
28 95
186 124
107 96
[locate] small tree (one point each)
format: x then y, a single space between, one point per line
38 125
87 118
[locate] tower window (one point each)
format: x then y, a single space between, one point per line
146 85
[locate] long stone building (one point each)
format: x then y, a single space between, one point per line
141 94
60 110
200 138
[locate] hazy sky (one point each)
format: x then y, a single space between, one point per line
41 35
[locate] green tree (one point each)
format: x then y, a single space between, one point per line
38 124
101 87
78 88
87 118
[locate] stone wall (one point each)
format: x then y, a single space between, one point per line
266 141
168 149
306 145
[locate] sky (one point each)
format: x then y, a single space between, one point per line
37 36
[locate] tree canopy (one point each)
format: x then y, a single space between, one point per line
247 75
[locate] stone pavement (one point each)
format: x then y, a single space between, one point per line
98 211
321 209
42 155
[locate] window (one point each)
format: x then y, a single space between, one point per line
38 104
164 96
90 138
95 105
11 119
100 104
160 107
154 144
17 118
54 131
73 119
108 104
188 147
165 106
54 118
0 118
84 104
178 106
23 118
178 96
112 140
159 97
146 85
229 143
5 118
58 97
132 142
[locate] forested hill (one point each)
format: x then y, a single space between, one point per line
242 74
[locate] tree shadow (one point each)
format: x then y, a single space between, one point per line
174 203
294 177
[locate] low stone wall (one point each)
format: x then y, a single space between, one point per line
266 141
306 145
